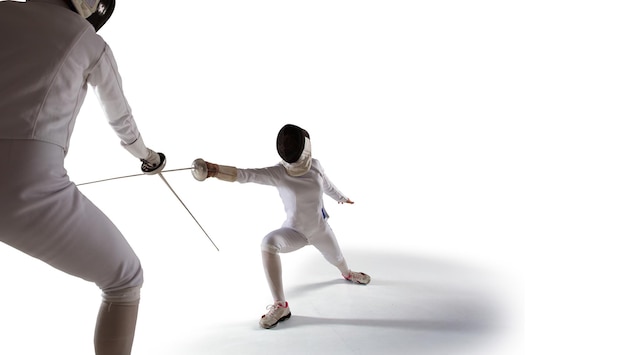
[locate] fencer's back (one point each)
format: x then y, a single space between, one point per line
46 52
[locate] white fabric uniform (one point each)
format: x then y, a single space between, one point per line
48 57
302 197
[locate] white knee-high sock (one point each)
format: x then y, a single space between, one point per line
343 267
274 274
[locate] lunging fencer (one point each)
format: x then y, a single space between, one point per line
301 183
50 56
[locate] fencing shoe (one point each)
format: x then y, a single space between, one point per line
276 313
358 278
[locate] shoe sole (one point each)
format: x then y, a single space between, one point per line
278 321
357 282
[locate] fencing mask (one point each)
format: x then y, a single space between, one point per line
97 12
294 147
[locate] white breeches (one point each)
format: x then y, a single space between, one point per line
286 240
43 214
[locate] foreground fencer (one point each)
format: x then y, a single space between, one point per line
49 55
301 184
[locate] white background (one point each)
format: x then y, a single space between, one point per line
481 141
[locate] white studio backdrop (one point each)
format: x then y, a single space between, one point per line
486 132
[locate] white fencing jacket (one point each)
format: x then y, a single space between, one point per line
302 196
48 55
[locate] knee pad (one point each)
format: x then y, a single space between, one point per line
127 296
269 244
269 248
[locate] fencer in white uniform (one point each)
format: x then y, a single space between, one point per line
49 55
301 183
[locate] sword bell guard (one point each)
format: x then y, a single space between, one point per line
199 169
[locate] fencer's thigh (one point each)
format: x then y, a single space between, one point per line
283 240
44 215
326 242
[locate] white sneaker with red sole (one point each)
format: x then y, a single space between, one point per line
358 278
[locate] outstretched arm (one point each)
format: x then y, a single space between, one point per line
264 176
222 172
203 169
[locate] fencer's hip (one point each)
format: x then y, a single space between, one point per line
43 214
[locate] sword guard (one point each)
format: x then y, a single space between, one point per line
199 169
153 169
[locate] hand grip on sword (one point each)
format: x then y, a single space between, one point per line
154 166
151 162
202 169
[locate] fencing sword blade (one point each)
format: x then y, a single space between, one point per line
128 176
188 211
109 179
170 170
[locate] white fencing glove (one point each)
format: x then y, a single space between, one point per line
202 170
151 161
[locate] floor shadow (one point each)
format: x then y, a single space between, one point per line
441 325
414 305
408 292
